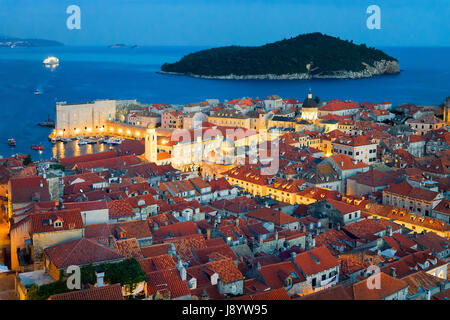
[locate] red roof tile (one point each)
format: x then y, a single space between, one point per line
80 252
112 292
316 260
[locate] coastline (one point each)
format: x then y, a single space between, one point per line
379 68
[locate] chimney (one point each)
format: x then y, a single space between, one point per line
100 275
393 273
389 231
236 222
441 286
338 227
208 234
182 271
41 184
258 265
293 255
110 241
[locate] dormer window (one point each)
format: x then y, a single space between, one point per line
58 224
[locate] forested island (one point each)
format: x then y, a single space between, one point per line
17 42
306 56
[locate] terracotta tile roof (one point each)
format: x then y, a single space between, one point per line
119 209
270 215
432 241
420 282
167 281
354 141
186 244
28 188
83 177
157 263
155 250
98 231
342 206
344 162
406 190
368 229
176 230
400 214
70 162
320 194
375 178
128 146
226 269
129 248
45 221
220 184
80 252
421 260
86 205
237 205
388 286
112 292
339 292
339 105
133 229
249 173
275 274
443 207
288 185
336 241
203 255
351 263
120 162
276 294
316 260
400 238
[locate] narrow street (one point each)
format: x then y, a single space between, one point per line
4 240
7 286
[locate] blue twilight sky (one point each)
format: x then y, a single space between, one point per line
225 22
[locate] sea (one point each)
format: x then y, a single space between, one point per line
90 73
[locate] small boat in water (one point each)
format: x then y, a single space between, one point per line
114 141
82 142
11 142
37 91
91 141
37 147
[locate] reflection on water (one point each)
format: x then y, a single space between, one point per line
72 149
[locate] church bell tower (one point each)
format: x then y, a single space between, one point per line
151 148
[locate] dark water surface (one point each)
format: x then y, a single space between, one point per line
89 73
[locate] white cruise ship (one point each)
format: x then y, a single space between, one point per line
51 61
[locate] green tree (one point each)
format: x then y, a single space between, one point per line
27 160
